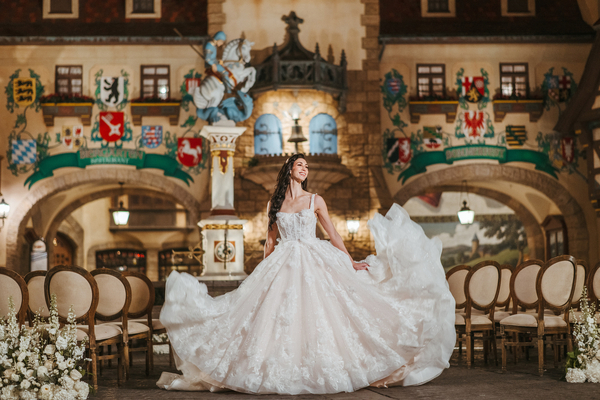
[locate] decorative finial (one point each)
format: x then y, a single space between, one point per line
343 58
317 52
292 20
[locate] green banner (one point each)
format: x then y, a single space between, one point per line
420 162
108 155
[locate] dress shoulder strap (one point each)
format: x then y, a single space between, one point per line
312 201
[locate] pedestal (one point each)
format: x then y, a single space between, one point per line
223 232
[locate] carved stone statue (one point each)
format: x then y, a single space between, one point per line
231 74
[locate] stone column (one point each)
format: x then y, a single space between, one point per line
223 231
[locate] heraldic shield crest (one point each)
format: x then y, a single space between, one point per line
111 125
152 136
189 151
473 88
112 90
24 91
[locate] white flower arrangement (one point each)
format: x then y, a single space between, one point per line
43 362
583 363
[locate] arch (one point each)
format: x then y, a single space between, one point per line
575 220
75 232
267 135
16 224
323 134
535 235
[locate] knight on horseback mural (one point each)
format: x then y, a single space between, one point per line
231 74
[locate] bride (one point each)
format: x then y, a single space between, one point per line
310 319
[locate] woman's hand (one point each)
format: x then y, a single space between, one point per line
360 266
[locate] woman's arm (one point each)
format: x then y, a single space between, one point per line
271 235
334 236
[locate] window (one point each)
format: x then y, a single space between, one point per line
68 79
168 262
122 260
55 9
142 8
556 236
323 134
267 135
514 79
431 80
518 8
155 81
434 6
438 8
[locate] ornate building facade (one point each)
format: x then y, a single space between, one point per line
398 101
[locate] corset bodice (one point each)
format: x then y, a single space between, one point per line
300 225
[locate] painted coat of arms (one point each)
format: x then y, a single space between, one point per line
189 151
111 125
473 88
112 90
152 136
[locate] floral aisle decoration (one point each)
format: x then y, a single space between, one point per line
583 363
43 362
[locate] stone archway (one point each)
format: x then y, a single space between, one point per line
66 211
535 235
15 246
572 212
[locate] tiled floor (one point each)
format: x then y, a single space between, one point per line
480 382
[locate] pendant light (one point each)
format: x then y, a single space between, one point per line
465 214
120 215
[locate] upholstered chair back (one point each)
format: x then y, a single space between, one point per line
556 283
13 285
114 294
593 283
523 285
482 285
506 271
37 299
142 294
581 278
73 286
456 282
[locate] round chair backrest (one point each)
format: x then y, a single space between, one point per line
73 286
506 271
37 300
142 294
581 278
114 294
456 282
556 283
12 285
482 285
523 284
593 285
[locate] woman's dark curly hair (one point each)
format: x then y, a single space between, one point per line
283 182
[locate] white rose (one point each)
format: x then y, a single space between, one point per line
29 373
42 371
62 365
52 331
22 356
67 382
25 384
49 349
49 365
20 364
75 375
61 343
8 373
59 357
15 377
83 390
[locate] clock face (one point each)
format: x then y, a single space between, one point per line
225 251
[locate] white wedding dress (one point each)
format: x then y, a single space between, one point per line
306 322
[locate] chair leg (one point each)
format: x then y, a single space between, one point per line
94 368
101 353
119 364
109 353
151 353
469 348
171 354
503 333
486 346
126 360
495 348
517 347
148 354
541 355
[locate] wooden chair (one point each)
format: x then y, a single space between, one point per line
555 285
37 299
582 278
74 286
456 283
142 302
482 285
13 285
114 297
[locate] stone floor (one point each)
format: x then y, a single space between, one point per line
481 382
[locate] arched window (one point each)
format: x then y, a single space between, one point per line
323 134
267 135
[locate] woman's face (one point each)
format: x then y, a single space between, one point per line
299 170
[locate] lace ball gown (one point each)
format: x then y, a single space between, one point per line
306 322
